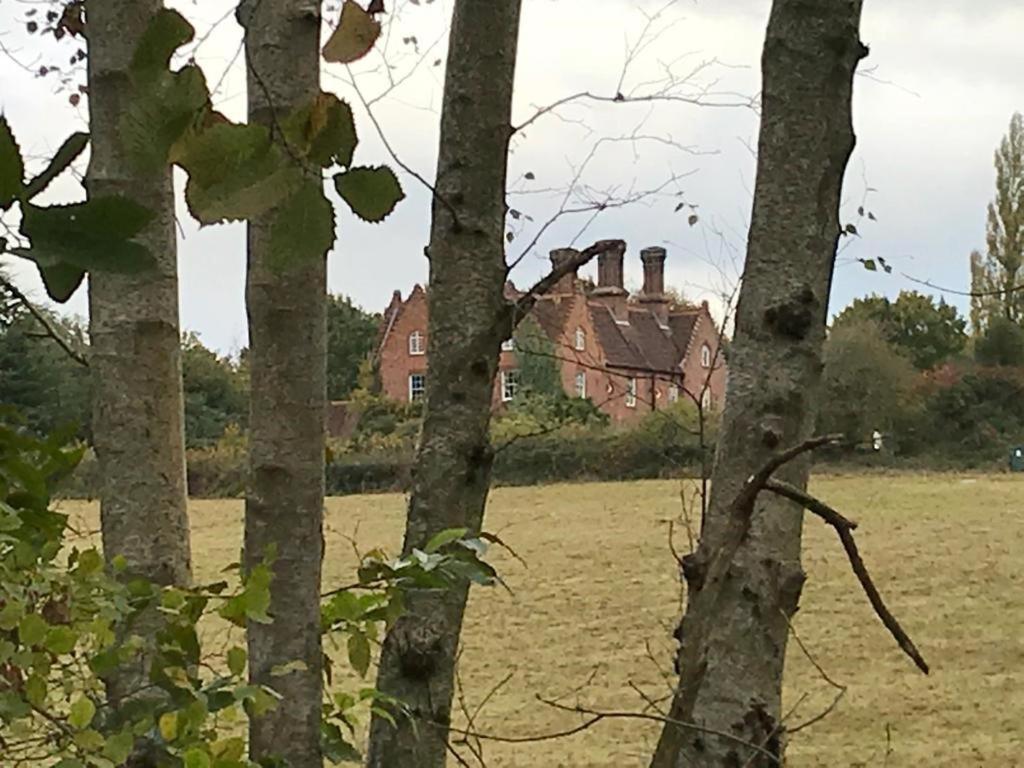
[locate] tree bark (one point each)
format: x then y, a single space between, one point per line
135 356
733 636
466 304
287 336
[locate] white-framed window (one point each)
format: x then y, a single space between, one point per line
509 385
673 393
581 384
631 393
416 345
580 340
705 399
417 387
705 356
508 345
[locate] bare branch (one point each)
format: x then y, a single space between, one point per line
525 303
844 528
44 321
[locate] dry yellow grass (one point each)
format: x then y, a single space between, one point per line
600 584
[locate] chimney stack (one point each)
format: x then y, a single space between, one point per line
610 290
559 256
653 295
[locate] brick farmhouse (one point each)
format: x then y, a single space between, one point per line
629 355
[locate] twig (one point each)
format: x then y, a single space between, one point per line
844 528
44 321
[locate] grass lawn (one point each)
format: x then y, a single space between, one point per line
600 586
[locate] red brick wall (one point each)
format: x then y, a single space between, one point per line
396 364
695 374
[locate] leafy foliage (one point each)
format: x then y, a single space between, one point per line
926 332
535 354
351 333
1001 344
216 393
12 167
67 623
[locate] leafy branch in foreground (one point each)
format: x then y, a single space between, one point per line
67 622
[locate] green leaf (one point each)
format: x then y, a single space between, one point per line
160 113
61 280
359 652
869 265
119 747
32 629
94 235
197 758
60 640
168 726
354 36
303 228
371 193
73 146
167 31
81 713
335 747
235 172
445 537
12 168
236 660
323 131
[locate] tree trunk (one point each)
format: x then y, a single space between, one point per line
733 641
467 277
135 356
287 336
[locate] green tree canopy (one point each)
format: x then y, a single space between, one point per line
538 364
216 392
997 274
1002 343
867 382
351 333
926 332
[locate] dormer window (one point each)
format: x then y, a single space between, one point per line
705 356
580 341
416 345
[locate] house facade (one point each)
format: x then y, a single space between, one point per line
629 355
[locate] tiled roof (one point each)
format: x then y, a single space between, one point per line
618 350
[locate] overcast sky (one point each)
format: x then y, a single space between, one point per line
937 93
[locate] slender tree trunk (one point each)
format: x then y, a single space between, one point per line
287 337
135 356
467 276
733 642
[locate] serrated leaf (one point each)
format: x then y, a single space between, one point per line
323 131
303 228
94 235
236 660
445 537
167 31
160 113
371 193
359 652
81 713
12 167
73 146
235 172
354 36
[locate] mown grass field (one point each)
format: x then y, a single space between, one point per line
600 585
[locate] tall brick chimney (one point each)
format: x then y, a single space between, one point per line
610 290
567 284
653 294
